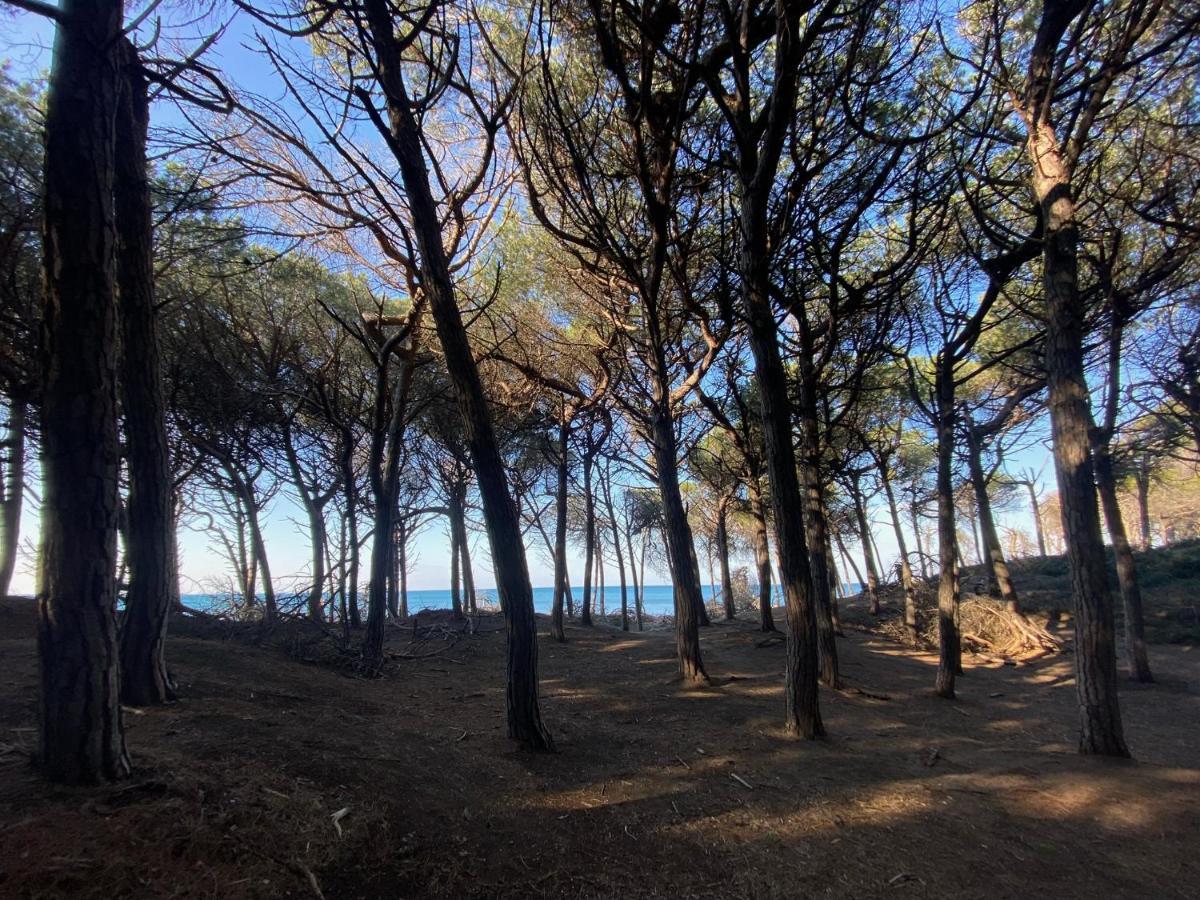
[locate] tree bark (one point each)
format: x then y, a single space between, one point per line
589 544
82 736
560 530
1101 731
316 529
150 537
802 706
681 553
723 557
906 575
13 491
762 556
1141 477
1037 518
1136 653
949 643
864 532
616 542
500 514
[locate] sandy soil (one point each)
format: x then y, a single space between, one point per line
272 777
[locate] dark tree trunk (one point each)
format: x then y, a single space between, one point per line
316 529
803 715
617 551
600 573
455 559
762 556
12 492
702 617
916 527
82 737
402 564
1141 477
681 553
949 644
1101 731
1137 657
500 514
150 537
633 575
385 482
350 494
723 557
906 576
589 544
994 553
560 530
864 537
1037 518
816 527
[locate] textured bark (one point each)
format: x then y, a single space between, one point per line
500 514
384 467
81 736
1037 518
864 539
1141 477
1101 731
620 554
589 541
633 575
402 537
150 536
560 531
762 556
1137 657
681 553
723 558
802 705
12 491
993 552
313 508
949 643
906 575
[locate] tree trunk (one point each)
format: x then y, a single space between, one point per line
616 538
723 557
350 493
864 532
385 481
762 556
1037 519
633 575
402 564
1136 656
916 527
949 644
560 530
500 514
803 714
906 576
681 552
589 523
1141 476
13 491
316 529
816 527
455 559
459 512
82 737
1101 731
150 538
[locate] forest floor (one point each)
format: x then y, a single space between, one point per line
276 777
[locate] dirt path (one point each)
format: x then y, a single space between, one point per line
239 783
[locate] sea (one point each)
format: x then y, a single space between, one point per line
657 600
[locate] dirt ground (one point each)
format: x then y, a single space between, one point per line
272 777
